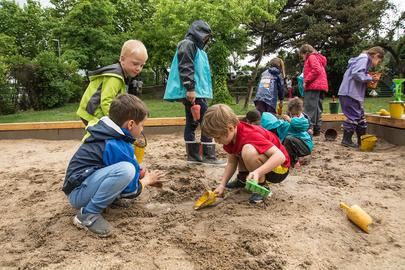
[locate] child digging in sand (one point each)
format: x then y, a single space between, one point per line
298 141
256 152
104 168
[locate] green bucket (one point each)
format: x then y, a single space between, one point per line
334 107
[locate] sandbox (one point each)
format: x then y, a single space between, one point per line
299 227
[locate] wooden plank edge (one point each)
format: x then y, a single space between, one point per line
151 122
180 121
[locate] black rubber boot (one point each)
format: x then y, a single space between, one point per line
209 156
193 152
347 139
360 132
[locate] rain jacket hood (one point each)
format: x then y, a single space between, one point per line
197 32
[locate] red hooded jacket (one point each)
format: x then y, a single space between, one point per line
315 72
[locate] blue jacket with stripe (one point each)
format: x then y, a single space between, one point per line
107 144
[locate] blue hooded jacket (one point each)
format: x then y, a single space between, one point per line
107 144
271 87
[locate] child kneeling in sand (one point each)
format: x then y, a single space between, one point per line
258 153
292 130
104 168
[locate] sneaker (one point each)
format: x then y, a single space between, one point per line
256 198
95 223
236 184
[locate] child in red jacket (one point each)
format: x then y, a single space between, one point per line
315 85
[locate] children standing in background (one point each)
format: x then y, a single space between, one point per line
271 87
289 87
104 169
257 153
190 82
315 85
353 90
108 82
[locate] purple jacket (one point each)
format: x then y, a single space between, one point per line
355 80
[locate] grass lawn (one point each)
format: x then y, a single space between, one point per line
158 108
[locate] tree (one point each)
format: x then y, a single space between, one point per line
88 36
336 27
25 24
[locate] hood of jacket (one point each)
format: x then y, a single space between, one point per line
320 58
106 129
111 69
197 32
357 58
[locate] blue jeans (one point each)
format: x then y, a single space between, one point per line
102 187
191 125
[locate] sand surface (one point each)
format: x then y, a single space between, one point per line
299 227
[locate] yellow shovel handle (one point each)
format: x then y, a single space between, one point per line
344 206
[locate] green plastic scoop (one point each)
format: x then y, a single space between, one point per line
398 89
256 188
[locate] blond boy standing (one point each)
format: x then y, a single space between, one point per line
108 82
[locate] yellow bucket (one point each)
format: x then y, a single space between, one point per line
397 109
139 148
368 142
139 153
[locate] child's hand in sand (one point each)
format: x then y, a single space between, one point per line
154 178
219 190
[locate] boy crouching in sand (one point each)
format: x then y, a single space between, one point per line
257 152
104 168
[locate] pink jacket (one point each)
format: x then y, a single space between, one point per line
315 72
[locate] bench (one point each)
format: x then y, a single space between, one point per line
240 92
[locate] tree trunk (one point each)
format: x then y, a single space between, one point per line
254 75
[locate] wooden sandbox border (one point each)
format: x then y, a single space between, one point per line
392 130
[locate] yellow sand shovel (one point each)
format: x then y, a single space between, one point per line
357 216
209 197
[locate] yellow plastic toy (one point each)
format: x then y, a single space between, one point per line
383 112
367 142
208 198
397 109
139 148
357 216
